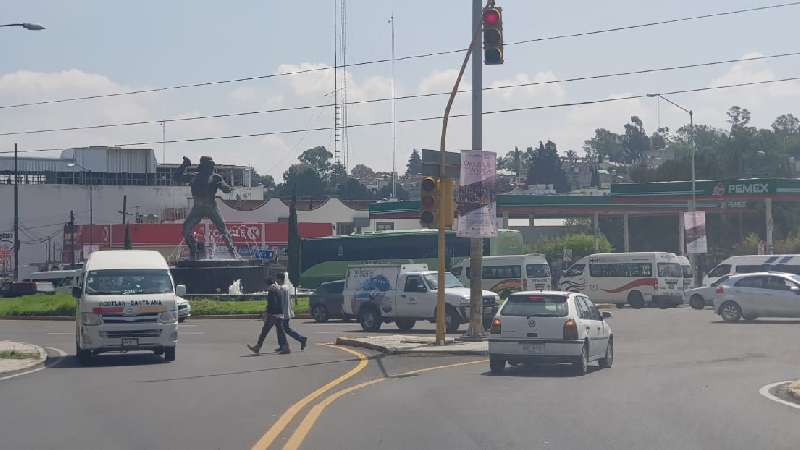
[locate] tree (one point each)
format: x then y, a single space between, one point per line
338 175
265 180
386 192
362 172
786 124
302 180
604 145
319 159
544 167
635 141
414 165
352 189
738 117
572 157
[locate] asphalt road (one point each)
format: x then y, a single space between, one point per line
681 380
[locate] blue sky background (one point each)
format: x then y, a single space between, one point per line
101 46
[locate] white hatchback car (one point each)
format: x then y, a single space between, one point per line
550 327
760 294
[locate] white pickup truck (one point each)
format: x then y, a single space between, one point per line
403 294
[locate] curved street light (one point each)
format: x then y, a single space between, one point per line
26 25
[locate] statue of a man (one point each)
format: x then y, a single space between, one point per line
204 183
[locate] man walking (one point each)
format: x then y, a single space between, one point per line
287 304
273 317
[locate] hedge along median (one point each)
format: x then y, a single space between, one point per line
64 305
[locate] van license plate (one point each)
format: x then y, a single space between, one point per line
533 348
130 342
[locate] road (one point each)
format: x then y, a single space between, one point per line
681 380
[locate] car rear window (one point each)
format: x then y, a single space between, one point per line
535 305
537 270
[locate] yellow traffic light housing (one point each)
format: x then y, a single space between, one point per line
493 36
429 202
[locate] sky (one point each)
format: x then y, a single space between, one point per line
96 47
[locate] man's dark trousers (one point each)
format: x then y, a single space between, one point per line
268 324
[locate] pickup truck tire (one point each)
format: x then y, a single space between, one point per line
369 318
169 354
496 364
451 319
319 313
84 356
405 324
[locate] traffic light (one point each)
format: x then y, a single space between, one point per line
493 36
429 202
449 201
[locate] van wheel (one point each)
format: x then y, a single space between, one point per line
582 365
85 357
405 324
169 354
496 364
636 300
730 312
319 313
370 321
697 302
451 319
608 360
749 317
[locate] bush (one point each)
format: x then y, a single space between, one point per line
581 244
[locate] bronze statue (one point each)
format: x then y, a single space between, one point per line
205 183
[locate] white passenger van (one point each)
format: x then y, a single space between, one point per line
126 301
63 280
688 276
753 263
506 274
637 279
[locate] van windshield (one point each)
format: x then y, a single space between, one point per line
537 270
450 281
128 281
535 305
670 270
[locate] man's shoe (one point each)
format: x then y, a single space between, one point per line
303 344
284 351
254 349
277 350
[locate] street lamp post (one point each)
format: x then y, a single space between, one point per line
91 206
26 25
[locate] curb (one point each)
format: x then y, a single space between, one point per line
350 342
793 389
244 316
60 318
34 365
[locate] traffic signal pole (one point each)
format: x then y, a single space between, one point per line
475 330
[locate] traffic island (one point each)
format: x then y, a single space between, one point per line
404 344
793 390
18 357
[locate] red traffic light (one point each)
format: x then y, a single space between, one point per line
491 17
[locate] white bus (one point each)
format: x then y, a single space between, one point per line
506 274
753 263
638 279
63 280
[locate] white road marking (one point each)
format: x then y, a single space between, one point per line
69 332
61 354
765 392
192 332
181 325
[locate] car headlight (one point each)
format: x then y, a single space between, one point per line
89 318
167 317
464 301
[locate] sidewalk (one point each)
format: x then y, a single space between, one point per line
11 366
406 344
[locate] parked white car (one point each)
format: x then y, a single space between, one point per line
184 308
700 297
541 327
760 294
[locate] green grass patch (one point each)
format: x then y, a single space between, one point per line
38 305
13 354
207 307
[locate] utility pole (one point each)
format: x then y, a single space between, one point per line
16 214
394 120
475 330
124 208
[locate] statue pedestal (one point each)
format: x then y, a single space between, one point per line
215 276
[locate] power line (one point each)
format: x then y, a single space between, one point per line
404 97
424 119
402 58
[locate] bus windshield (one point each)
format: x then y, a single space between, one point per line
128 282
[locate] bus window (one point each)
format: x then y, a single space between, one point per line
501 272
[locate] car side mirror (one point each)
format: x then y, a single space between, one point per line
180 290
76 292
795 289
606 315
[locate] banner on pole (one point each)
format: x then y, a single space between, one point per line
477 205
695 226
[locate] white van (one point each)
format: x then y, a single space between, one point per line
63 280
637 279
126 301
511 273
753 263
688 276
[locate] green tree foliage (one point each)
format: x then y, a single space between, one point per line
302 180
635 142
352 189
544 167
362 172
265 180
414 165
337 176
319 159
581 244
605 145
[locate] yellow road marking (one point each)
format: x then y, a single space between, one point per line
269 437
308 422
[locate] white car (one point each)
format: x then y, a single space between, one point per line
184 308
550 327
760 294
703 296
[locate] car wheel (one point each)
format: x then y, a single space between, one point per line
582 365
730 311
319 313
608 360
370 321
697 301
85 357
636 300
496 364
451 319
169 354
749 317
405 324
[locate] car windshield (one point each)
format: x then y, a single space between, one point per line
523 305
537 270
450 281
670 270
128 281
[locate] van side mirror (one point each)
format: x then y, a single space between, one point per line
76 291
180 290
795 289
606 315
